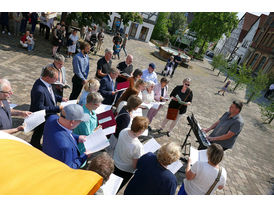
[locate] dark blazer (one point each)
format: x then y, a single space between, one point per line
106 90
41 99
61 144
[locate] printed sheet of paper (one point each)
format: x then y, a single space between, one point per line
69 102
151 146
109 130
13 105
33 120
112 185
137 112
147 106
102 121
198 155
157 104
102 108
96 141
175 166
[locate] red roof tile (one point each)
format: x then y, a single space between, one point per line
249 20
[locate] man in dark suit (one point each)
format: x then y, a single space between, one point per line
107 86
43 97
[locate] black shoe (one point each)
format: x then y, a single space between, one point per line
149 128
159 130
168 134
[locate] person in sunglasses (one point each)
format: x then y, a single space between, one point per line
6 112
181 97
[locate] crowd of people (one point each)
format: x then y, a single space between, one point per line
66 128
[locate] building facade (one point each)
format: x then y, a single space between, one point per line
135 30
262 48
242 50
237 35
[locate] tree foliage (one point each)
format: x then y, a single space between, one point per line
131 16
243 76
87 18
160 31
255 86
210 26
267 112
177 21
219 62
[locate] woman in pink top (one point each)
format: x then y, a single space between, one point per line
160 95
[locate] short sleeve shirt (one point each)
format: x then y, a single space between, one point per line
205 176
149 76
234 124
5 116
104 66
127 149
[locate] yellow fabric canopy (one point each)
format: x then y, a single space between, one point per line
25 170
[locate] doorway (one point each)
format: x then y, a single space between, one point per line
133 30
143 33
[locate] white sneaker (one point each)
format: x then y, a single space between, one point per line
9 33
3 32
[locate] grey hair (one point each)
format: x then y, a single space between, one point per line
107 50
3 83
187 80
149 84
114 71
59 57
94 98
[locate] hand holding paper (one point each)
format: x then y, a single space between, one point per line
34 120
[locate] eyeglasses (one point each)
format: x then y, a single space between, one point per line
187 84
9 92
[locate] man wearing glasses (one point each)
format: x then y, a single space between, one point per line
6 112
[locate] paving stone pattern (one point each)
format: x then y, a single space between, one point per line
249 164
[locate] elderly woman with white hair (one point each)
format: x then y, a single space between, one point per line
181 98
148 95
152 176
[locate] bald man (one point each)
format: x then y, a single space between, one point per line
126 69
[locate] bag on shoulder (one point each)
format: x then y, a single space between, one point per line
172 113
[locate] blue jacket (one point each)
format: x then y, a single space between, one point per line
61 144
41 99
106 90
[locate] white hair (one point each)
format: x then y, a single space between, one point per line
3 83
150 83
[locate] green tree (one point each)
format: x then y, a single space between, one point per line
131 16
255 86
242 77
231 70
209 26
218 61
160 31
267 112
87 18
177 21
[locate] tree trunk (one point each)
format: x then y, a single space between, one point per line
219 73
250 98
213 68
270 120
64 16
236 87
202 47
226 78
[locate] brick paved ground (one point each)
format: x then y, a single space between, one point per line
249 164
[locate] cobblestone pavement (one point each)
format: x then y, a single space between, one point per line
249 164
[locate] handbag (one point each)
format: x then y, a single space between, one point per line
172 112
215 182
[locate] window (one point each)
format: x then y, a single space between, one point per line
262 61
254 60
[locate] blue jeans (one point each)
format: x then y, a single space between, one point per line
30 47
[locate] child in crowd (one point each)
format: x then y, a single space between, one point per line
116 49
224 89
30 41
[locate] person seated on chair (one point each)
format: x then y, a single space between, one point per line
59 142
108 88
201 176
152 176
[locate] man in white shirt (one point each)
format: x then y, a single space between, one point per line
149 74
